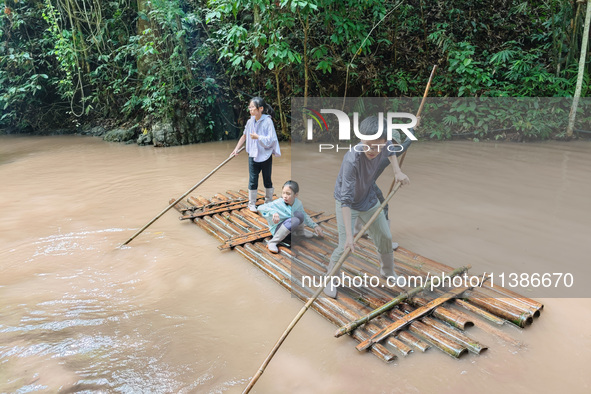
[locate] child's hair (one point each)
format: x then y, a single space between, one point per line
259 102
370 127
293 185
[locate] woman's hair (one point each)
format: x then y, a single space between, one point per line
293 185
259 102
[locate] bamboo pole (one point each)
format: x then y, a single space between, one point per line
330 309
432 336
573 110
403 155
179 199
407 258
488 328
517 317
445 314
480 312
384 308
511 294
512 302
297 318
413 341
471 344
422 311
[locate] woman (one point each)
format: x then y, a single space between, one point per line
261 145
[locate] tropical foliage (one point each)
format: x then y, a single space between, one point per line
65 63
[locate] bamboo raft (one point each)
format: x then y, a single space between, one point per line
429 319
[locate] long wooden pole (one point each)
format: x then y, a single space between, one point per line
346 252
296 319
403 155
573 110
180 198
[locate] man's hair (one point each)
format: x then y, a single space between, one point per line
370 126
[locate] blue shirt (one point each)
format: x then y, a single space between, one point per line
285 212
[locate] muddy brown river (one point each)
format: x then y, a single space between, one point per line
170 313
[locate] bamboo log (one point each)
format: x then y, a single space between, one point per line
253 236
234 194
432 336
503 309
453 333
205 226
413 341
223 233
417 313
440 341
237 220
520 319
445 314
487 327
391 304
220 208
471 344
202 200
513 303
373 327
254 217
180 205
248 221
420 262
344 315
511 294
573 111
230 227
480 312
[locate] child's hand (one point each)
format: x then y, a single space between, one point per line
318 231
275 218
254 136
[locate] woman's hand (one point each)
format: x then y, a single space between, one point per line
254 136
275 218
234 152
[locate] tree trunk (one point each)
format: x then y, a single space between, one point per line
281 117
183 45
143 24
573 110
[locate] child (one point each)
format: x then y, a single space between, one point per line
286 214
261 145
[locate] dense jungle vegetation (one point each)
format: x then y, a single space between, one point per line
191 64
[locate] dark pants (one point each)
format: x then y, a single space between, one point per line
255 168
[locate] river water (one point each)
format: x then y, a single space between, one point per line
171 313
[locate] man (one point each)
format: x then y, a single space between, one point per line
385 163
355 196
